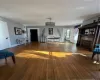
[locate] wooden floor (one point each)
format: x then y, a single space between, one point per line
51 61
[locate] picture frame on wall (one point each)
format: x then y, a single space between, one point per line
50 31
18 31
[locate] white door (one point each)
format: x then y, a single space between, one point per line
4 36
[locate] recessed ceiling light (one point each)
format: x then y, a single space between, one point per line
88 0
80 8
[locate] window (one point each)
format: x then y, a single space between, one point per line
68 34
50 31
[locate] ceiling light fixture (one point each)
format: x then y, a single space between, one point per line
49 23
49 19
80 8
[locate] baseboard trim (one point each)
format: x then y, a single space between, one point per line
15 45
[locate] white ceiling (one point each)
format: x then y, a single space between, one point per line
35 12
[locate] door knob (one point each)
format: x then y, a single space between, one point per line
7 38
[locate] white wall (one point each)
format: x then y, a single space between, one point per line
73 35
11 24
40 29
55 30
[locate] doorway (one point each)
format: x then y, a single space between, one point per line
67 33
34 35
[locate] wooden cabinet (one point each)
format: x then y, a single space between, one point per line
89 35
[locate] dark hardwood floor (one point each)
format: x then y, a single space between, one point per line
51 61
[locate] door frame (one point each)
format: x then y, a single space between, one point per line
29 38
64 30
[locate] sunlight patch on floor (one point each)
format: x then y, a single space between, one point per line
42 54
34 51
61 54
83 55
28 55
